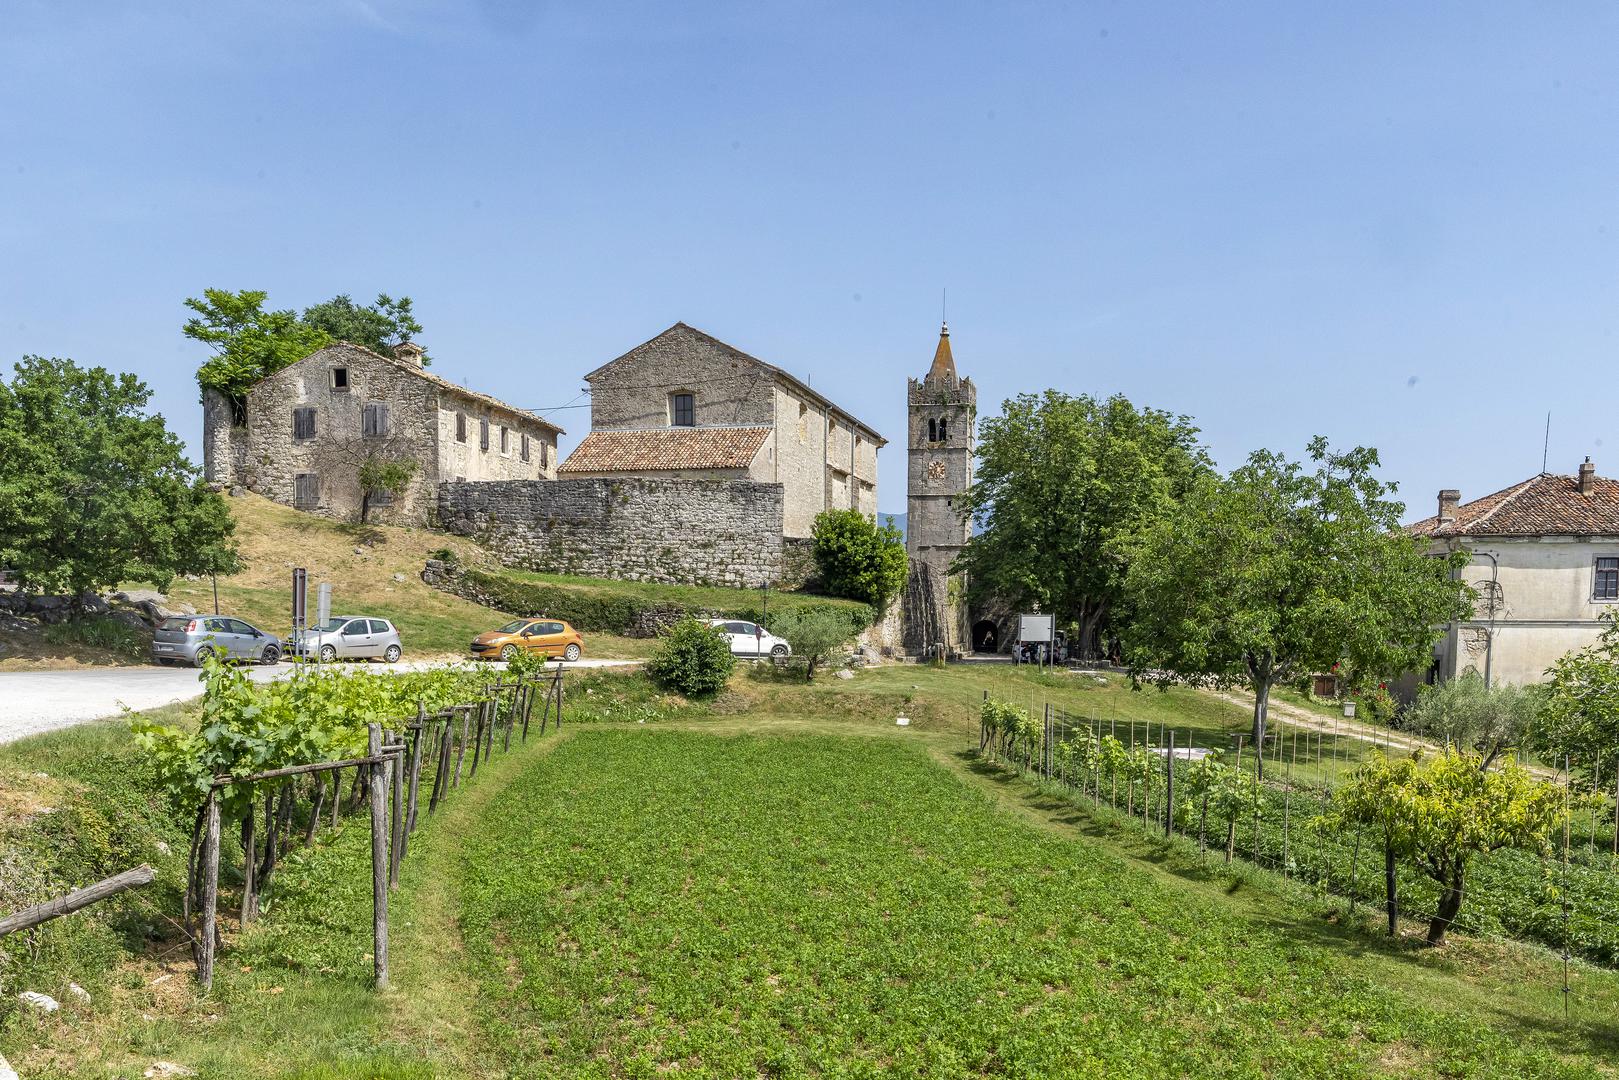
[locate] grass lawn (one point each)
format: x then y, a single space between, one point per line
373 569
784 883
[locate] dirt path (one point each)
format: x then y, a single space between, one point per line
1304 718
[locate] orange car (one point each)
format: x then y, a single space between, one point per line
551 637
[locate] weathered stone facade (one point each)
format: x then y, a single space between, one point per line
681 531
822 456
942 440
311 425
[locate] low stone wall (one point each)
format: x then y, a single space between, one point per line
684 531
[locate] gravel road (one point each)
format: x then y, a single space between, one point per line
35 701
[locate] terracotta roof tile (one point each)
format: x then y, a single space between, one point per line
666 448
1544 505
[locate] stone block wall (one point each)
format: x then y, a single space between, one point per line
680 531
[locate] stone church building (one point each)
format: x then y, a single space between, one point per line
686 404
304 432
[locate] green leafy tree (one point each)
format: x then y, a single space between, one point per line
1581 716
857 558
379 326
1442 812
1277 570
94 490
248 341
817 636
1466 714
1065 486
693 658
389 474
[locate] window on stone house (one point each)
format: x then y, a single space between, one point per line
1606 584
460 427
683 410
545 454
374 420
483 435
524 445
505 439
303 423
340 378
306 491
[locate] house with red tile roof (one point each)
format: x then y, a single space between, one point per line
1545 564
686 404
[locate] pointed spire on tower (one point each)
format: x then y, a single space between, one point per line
944 364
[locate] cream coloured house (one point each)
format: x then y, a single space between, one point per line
1545 564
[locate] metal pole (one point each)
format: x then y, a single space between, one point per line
1489 641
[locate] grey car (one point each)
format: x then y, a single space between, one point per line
351 637
191 639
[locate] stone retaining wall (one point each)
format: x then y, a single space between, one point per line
684 531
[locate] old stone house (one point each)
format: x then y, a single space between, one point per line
308 428
686 404
1545 564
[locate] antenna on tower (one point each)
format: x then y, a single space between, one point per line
944 306
1546 446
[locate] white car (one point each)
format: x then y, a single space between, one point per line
752 640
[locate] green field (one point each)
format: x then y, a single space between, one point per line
783 883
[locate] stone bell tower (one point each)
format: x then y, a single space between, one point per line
943 413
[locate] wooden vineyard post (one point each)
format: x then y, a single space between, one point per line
511 716
550 692
489 729
379 857
527 696
250 852
396 774
477 739
417 743
441 774
204 942
461 747
559 699
1169 787
315 801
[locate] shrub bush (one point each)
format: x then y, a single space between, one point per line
859 559
693 658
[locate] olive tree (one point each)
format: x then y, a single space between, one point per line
1465 713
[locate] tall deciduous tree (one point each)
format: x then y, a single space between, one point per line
95 491
1065 486
1276 570
248 342
379 326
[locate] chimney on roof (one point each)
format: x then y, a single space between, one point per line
410 353
1448 499
1588 476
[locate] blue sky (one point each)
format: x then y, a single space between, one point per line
1394 225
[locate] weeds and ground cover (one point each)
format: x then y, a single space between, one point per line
802 905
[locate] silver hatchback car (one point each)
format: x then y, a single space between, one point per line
192 639
351 637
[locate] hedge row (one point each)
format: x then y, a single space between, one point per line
605 611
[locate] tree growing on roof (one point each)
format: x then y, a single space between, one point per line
250 342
